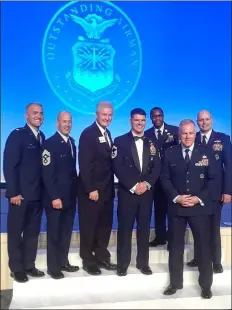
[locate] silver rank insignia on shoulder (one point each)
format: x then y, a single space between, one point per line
114 152
46 157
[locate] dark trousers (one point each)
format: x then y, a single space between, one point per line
95 219
200 226
215 222
23 228
59 233
161 209
132 207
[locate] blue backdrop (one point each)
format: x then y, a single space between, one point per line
176 55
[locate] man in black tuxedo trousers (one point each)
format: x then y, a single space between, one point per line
96 191
137 166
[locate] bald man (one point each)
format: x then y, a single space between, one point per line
60 180
219 143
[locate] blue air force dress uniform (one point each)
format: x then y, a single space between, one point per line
134 160
60 180
188 172
23 175
219 144
164 137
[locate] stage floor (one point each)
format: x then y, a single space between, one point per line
226 216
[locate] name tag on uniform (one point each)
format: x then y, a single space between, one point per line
102 139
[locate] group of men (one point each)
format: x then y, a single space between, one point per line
186 174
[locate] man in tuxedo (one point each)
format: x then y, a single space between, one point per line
219 144
186 177
60 181
96 192
164 136
137 166
22 172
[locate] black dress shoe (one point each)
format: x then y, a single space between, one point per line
107 265
170 290
145 270
55 275
34 272
70 268
192 263
20 276
217 268
206 293
93 270
156 242
121 272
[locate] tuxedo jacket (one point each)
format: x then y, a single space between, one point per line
95 163
126 162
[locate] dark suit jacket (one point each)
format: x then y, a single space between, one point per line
22 164
178 180
126 162
170 137
219 143
95 163
59 170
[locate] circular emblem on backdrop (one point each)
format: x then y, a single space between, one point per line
91 52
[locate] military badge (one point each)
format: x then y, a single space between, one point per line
216 156
217 146
152 148
114 152
202 176
46 157
170 138
203 162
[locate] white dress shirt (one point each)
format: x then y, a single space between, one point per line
207 135
104 133
35 131
67 140
161 129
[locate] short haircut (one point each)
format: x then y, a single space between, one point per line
33 103
104 104
137 111
62 112
186 122
157 109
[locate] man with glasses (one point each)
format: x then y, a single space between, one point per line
164 136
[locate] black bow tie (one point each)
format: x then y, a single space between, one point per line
136 138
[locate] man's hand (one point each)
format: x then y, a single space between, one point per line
226 198
187 201
94 195
141 188
17 200
57 204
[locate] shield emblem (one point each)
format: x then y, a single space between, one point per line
93 65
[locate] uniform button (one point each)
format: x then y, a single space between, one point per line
187 189
187 172
187 181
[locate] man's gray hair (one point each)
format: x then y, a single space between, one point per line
104 104
33 103
186 122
